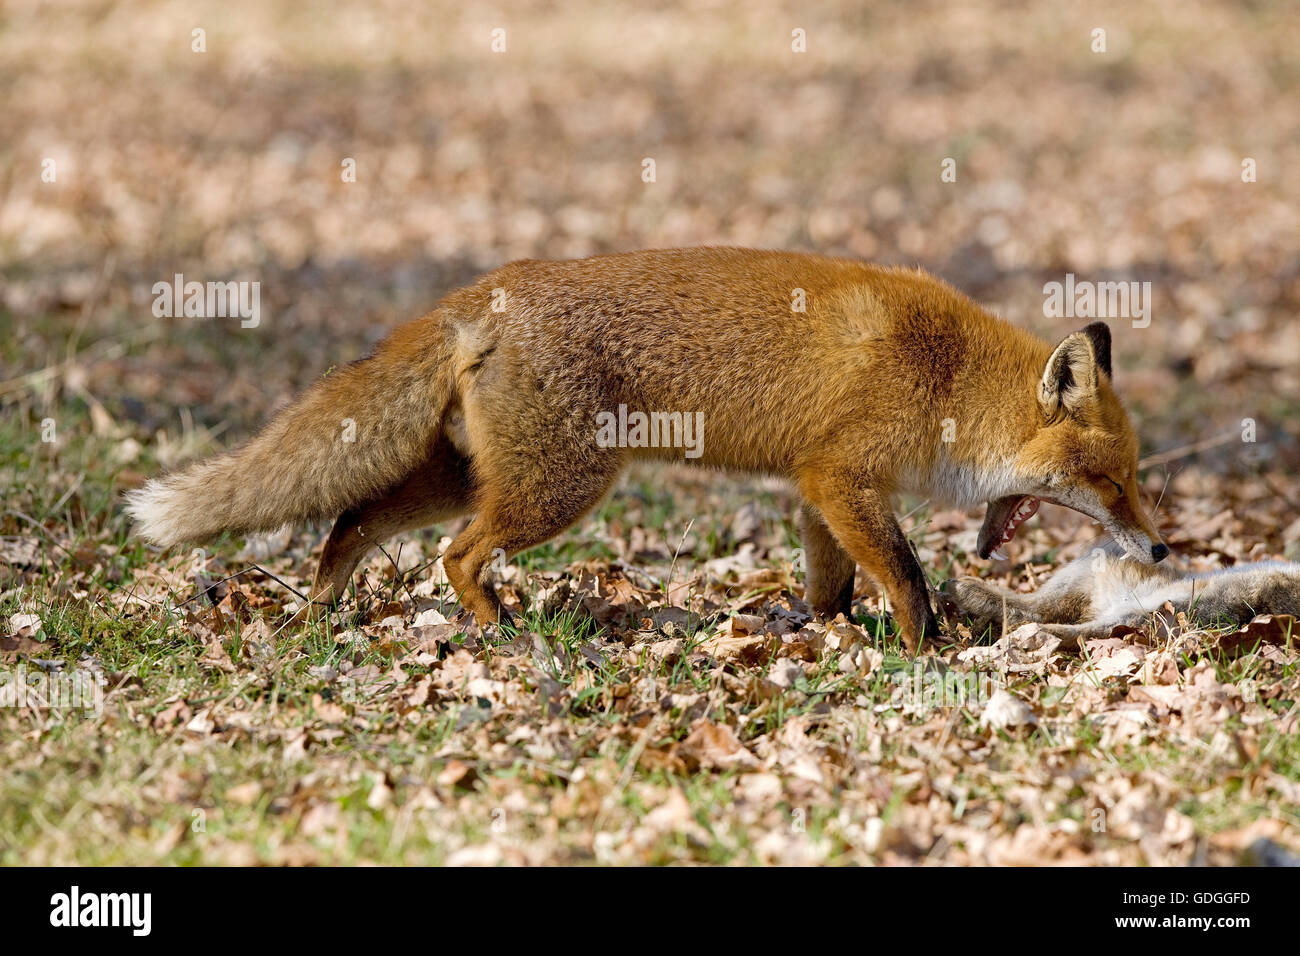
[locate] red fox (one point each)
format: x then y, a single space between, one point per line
854 382
1098 591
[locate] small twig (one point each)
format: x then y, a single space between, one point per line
672 567
228 577
401 578
76 485
1186 450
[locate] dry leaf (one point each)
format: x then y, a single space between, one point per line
716 747
1003 709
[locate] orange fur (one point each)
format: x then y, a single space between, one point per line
489 405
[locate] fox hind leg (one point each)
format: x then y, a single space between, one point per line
440 489
516 513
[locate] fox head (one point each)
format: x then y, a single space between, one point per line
1083 454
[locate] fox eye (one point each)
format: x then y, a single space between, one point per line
1119 489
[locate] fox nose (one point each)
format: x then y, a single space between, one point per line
1159 551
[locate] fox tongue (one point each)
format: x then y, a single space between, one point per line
1001 520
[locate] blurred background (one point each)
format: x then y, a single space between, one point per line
227 164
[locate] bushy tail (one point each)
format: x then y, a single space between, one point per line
346 440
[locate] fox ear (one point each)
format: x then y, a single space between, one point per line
1099 334
1070 379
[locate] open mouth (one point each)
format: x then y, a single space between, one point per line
1001 522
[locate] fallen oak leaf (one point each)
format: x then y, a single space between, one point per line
328 711
716 747
744 623
1005 710
457 774
24 624
1122 663
177 713
202 723
214 652
736 641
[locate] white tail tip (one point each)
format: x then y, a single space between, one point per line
158 514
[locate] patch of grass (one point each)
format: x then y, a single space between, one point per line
235 743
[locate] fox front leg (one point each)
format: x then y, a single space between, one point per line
829 567
859 517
